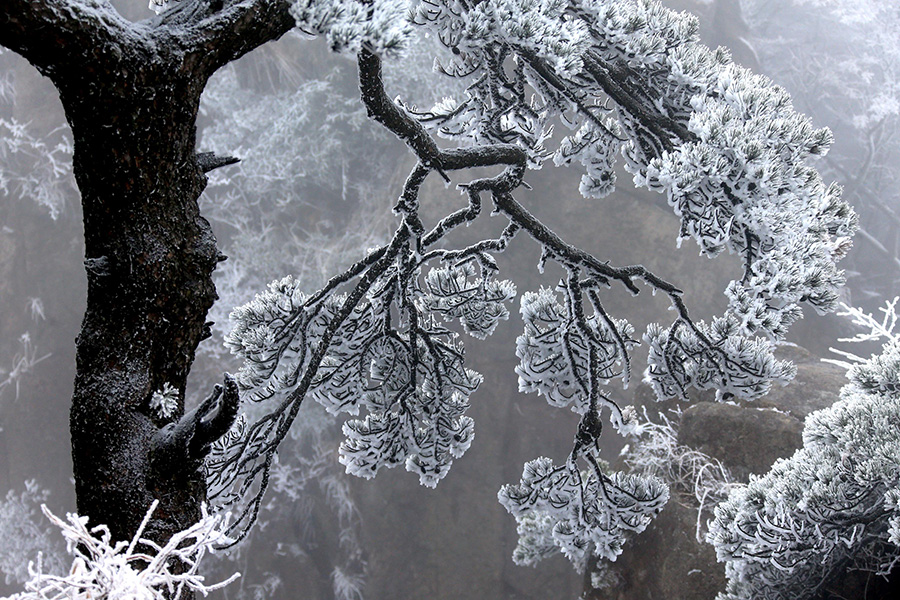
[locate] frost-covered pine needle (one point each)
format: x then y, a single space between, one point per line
115 570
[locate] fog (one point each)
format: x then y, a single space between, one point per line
312 193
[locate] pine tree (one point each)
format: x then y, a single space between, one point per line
624 78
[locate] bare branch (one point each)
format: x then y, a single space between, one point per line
56 35
219 35
208 161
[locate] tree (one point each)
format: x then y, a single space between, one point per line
724 145
832 506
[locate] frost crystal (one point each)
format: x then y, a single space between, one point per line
136 570
348 26
555 349
164 402
581 513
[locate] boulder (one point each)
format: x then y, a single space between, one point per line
667 561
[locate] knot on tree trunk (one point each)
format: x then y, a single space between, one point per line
185 443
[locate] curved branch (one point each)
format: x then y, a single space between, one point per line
385 111
57 36
576 256
186 442
223 33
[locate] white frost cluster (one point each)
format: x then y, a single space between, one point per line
263 334
478 304
832 505
579 512
733 365
164 401
416 394
380 26
413 384
554 351
136 570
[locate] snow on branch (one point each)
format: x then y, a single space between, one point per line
135 570
580 512
626 77
873 329
831 506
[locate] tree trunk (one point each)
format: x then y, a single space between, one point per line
131 93
149 257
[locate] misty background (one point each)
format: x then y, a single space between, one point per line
313 191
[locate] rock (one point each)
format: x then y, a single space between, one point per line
746 439
667 561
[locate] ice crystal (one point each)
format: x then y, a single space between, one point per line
164 401
135 570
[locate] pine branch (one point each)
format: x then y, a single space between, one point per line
229 29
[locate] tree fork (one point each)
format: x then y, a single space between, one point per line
131 92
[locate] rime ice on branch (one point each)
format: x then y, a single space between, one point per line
625 77
139 569
835 504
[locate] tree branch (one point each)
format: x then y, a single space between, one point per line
208 161
187 441
218 35
619 83
383 110
57 36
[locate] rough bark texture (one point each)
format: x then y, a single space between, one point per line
149 258
131 93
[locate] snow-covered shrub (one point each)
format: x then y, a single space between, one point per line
831 506
654 451
135 570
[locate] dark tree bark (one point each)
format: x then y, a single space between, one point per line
131 93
